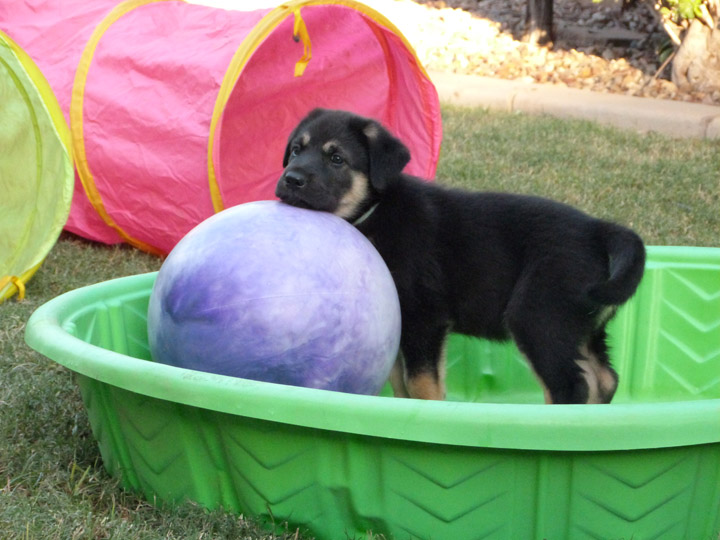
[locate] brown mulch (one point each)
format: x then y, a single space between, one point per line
599 46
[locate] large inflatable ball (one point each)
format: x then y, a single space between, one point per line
274 293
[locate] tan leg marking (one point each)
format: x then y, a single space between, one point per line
590 376
608 382
546 392
425 386
600 380
397 378
442 370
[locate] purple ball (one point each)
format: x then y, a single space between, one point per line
274 293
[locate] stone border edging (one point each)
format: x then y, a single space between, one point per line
673 118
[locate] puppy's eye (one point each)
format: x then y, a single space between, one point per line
295 150
337 159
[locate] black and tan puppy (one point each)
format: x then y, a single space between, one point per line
493 265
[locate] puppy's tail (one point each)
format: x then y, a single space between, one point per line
626 253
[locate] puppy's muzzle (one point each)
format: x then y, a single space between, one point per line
293 188
294 180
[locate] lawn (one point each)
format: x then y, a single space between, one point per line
52 484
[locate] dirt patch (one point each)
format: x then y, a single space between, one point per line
600 46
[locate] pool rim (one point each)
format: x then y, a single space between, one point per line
587 428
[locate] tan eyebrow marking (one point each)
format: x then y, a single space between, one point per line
330 146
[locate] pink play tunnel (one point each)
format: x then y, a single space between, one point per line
179 110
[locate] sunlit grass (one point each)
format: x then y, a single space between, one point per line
667 189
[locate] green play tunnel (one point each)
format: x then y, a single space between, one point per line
36 170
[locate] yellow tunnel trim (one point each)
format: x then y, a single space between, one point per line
250 44
76 121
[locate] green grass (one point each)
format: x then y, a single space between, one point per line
52 484
668 190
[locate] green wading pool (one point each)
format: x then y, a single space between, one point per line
491 462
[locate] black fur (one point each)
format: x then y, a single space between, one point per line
494 265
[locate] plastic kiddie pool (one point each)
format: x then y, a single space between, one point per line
492 461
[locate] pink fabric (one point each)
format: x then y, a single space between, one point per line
152 86
349 70
54 33
149 100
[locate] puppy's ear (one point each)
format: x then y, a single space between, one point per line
312 115
388 155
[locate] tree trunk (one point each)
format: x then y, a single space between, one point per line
696 66
539 22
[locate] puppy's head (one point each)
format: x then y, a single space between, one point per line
340 163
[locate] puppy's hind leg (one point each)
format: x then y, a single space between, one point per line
570 373
555 365
550 341
596 354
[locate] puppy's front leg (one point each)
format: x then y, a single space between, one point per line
426 386
425 364
397 378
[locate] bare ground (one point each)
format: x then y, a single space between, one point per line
600 46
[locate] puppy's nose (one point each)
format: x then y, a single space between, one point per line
295 180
